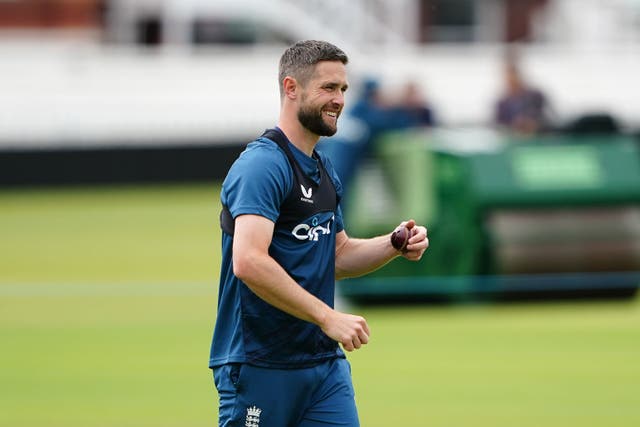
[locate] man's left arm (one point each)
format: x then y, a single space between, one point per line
356 257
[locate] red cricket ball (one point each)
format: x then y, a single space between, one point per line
400 238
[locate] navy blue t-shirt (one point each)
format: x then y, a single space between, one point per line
249 330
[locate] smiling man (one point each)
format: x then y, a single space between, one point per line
276 353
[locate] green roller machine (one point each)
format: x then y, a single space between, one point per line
541 217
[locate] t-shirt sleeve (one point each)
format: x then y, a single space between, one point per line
258 182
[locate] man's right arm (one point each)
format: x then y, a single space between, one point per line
268 280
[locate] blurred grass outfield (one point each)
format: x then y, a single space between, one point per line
107 302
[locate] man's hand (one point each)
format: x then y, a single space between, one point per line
418 242
349 330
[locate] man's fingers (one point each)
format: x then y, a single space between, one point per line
358 337
417 244
349 330
419 236
364 332
364 338
363 335
418 233
356 342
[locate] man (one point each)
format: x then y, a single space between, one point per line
521 109
275 351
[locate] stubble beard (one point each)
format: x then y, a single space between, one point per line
312 120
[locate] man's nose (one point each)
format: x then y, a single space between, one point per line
339 99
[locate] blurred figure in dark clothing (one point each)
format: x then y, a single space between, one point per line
416 109
372 109
521 109
382 115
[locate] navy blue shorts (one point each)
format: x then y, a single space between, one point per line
319 396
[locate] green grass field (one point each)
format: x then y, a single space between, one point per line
107 302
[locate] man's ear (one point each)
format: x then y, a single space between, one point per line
290 87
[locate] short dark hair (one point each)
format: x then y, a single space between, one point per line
299 60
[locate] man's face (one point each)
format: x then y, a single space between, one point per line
322 98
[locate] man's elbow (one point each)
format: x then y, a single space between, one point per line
243 267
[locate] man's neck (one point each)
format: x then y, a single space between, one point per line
303 139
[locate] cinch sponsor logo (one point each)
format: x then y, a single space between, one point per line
306 194
313 231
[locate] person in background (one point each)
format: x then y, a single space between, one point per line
521 109
409 109
417 110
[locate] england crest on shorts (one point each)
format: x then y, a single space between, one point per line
253 417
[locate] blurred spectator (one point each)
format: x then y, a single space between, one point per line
381 114
373 109
416 108
521 108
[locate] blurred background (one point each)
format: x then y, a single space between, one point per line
511 128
